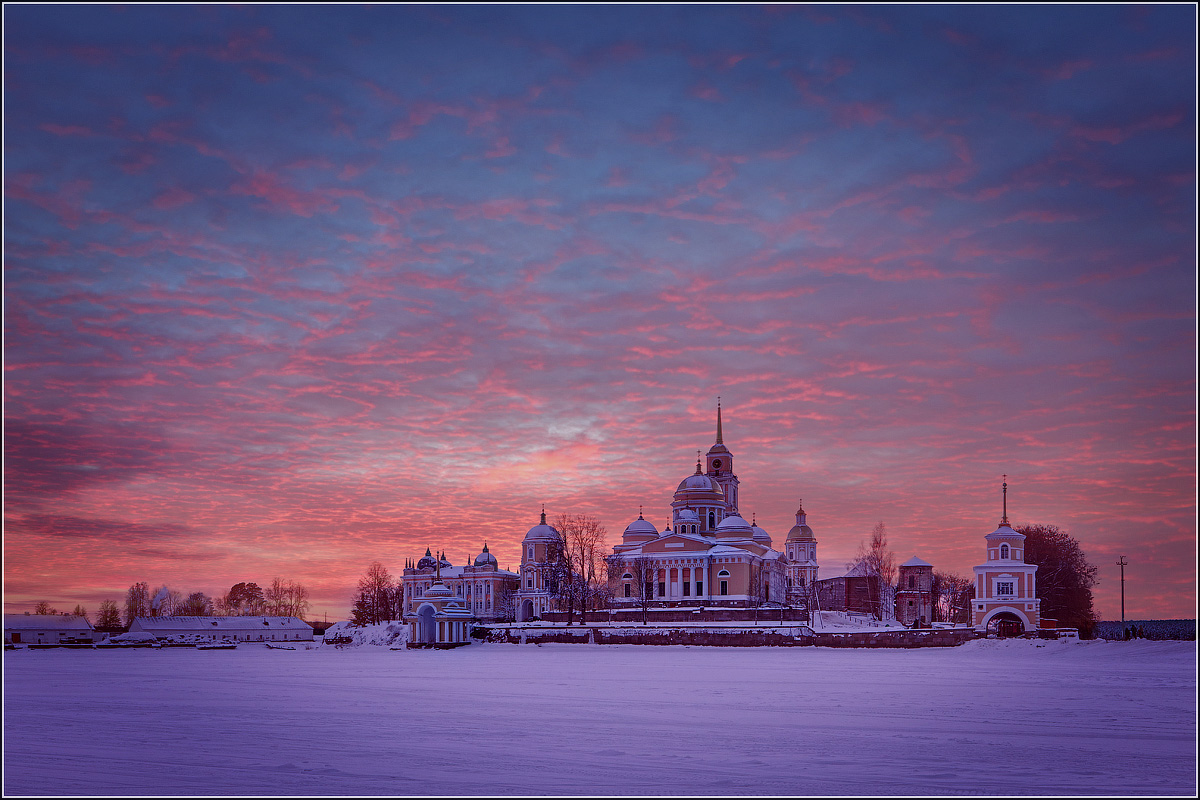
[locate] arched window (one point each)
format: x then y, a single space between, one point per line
1003 551
712 519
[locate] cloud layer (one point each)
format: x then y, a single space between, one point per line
289 290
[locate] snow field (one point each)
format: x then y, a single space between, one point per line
991 717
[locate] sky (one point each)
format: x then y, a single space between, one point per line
292 289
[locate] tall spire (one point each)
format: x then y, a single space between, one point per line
719 420
543 513
1004 519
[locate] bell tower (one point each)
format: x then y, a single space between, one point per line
720 467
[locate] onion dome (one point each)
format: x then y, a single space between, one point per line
734 527
800 532
640 531
485 558
542 532
427 561
760 535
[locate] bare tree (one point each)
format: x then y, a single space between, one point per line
759 587
505 603
137 602
950 601
286 598
644 570
881 563
80 611
560 576
43 609
108 616
583 540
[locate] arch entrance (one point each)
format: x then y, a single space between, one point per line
426 632
1005 623
525 611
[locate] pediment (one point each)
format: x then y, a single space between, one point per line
676 544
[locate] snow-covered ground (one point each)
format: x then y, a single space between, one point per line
990 717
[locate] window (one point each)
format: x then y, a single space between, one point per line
912 582
1004 588
712 520
662 588
1004 551
627 590
687 588
724 587
699 588
801 581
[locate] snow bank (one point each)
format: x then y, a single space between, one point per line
133 637
382 634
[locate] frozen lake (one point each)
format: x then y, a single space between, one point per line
1007 717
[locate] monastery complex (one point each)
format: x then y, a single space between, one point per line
710 561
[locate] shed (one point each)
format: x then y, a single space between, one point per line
47 629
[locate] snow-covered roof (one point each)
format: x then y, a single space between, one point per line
916 562
58 622
219 623
858 570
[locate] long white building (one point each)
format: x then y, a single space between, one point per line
241 629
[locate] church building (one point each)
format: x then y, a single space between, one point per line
480 586
708 554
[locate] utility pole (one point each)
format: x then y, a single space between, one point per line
1122 563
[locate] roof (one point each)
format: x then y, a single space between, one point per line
858 570
62 622
220 623
916 562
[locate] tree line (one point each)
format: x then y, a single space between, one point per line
282 598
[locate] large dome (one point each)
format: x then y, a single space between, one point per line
800 533
485 558
542 532
698 482
640 529
699 490
734 527
760 535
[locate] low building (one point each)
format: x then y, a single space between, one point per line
47 629
240 629
858 589
914 593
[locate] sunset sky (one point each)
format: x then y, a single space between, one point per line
292 289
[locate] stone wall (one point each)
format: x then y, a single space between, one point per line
660 615
774 636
